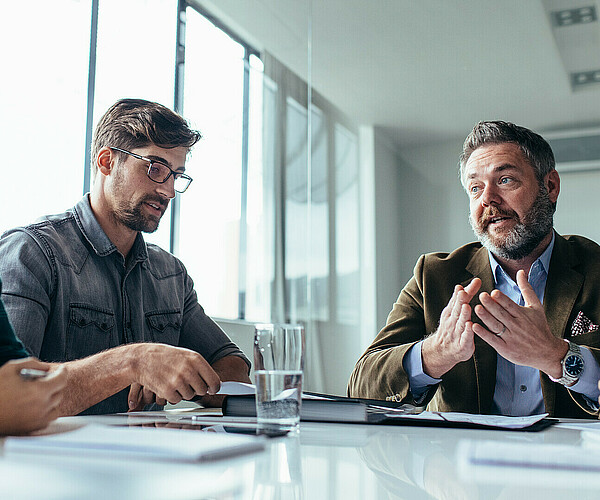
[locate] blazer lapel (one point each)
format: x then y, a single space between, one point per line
485 357
562 288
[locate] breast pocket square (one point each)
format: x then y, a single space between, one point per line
582 324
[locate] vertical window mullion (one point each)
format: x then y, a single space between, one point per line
89 127
244 188
178 107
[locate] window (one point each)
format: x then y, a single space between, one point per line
43 107
264 236
135 57
211 209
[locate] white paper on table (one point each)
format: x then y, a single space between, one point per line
500 421
140 443
231 388
526 455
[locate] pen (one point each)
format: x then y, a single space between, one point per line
31 374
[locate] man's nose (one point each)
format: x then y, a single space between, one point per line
167 188
490 196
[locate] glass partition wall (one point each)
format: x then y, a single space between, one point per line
269 228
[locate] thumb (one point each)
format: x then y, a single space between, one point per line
527 291
135 393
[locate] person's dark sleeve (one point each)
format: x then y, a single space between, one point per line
10 346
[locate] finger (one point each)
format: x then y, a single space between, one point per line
467 334
529 296
447 312
472 288
161 401
501 307
187 392
463 318
493 324
487 336
148 396
209 376
135 395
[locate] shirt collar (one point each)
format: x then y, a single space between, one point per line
544 263
95 235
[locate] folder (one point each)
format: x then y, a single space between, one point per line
139 443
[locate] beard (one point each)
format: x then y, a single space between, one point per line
131 214
527 233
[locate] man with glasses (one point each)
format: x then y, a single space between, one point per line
83 286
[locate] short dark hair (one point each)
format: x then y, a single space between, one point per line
533 146
134 123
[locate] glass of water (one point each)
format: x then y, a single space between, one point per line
278 365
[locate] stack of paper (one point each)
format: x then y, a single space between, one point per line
141 443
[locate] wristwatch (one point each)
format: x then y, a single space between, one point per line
572 365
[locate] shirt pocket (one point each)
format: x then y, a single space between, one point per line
90 330
164 326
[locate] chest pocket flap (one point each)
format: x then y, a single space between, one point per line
90 330
164 326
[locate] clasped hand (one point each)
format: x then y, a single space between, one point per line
520 334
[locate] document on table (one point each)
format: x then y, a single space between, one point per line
141 443
471 454
498 421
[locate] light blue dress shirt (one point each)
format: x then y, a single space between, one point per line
518 388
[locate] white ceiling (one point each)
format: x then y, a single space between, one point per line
425 70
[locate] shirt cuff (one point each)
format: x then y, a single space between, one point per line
588 383
413 366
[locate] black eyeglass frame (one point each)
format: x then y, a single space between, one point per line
176 175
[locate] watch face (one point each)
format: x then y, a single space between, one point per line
574 365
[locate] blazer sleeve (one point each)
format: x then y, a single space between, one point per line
379 373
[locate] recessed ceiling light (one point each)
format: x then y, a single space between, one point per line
570 17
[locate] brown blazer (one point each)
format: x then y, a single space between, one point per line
573 285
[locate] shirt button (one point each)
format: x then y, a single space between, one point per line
523 388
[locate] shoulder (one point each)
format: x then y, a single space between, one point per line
580 244
50 234
457 259
163 264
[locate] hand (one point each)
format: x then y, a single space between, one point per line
228 368
520 334
139 397
28 405
453 341
172 373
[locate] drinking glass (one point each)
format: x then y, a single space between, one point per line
278 365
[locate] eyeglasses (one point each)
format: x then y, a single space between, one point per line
160 173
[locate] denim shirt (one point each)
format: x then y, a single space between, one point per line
69 293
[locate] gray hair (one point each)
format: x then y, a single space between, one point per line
533 146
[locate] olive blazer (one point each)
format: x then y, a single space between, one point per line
573 286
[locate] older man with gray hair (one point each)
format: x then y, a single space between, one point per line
508 325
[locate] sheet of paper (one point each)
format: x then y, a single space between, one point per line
526 455
499 421
230 388
140 443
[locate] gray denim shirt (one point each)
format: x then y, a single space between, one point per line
69 293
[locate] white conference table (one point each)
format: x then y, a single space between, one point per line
323 461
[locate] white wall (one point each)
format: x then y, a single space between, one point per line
420 207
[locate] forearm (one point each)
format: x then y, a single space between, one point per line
97 377
232 368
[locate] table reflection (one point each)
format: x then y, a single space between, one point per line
279 472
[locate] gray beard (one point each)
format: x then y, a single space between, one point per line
527 233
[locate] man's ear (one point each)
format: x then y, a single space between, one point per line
552 182
105 161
